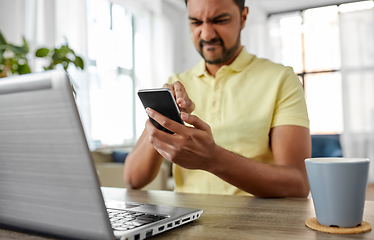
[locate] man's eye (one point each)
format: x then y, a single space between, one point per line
196 23
221 21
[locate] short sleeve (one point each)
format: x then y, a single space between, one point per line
290 107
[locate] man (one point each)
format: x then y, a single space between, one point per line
247 124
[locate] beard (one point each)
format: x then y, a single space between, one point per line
226 54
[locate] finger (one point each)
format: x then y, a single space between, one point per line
166 123
186 103
170 86
182 98
162 142
189 105
180 92
195 121
163 148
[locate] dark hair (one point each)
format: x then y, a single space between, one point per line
240 4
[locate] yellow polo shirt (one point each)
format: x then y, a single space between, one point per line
241 104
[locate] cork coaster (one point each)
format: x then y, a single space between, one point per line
314 224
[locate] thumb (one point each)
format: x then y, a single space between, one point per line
195 121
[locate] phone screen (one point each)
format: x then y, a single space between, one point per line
162 101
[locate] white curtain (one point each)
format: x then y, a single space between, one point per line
357 48
49 23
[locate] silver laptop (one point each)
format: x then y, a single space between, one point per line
48 182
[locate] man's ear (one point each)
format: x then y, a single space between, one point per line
244 16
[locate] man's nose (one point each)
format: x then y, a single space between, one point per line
208 32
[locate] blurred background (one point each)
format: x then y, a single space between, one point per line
127 45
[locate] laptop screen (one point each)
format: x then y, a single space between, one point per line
47 179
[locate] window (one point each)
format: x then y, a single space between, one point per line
114 52
309 41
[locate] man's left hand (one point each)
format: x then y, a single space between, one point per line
188 147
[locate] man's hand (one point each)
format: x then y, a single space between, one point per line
188 147
181 97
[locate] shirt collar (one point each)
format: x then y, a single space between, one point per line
239 63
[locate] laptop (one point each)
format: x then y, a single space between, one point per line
48 182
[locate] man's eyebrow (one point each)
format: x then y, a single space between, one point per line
221 16
211 19
194 19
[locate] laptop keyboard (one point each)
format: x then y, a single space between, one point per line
123 220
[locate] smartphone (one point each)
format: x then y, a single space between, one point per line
162 101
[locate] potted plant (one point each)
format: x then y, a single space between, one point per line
13 59
63 55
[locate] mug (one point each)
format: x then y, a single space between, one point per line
338 187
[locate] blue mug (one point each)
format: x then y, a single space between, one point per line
338 187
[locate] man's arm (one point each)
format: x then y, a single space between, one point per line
286 178
194 148
142 164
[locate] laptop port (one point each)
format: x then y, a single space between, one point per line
161 228
149 233
177 222
170 225
137 237
186 219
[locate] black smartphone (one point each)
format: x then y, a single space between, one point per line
162 101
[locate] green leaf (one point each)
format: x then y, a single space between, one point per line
64 50
42 52
17 50
65 59
2 39
58 56
24 69
54 63
79 62
50 67
25 45
13 63
1 55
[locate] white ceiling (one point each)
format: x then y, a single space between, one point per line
276 6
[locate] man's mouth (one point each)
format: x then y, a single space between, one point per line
211 45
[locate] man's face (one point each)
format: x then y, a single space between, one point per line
215 27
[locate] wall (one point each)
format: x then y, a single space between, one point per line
255 35
178 46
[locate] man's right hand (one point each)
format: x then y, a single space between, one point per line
185 104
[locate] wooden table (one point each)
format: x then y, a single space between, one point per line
231 217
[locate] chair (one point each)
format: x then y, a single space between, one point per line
326 146
109 165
